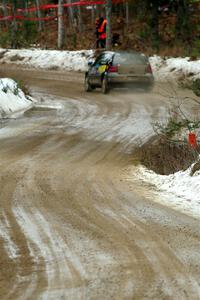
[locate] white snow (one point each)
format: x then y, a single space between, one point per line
5 235
12 99
48 59
179 190
164 69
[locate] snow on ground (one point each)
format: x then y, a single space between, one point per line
12 99
179 190
47 59
5 228
174 68
163 68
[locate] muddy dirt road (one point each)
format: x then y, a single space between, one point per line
71 227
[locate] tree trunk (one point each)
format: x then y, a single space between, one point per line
183 26
5 11
92 15
60 24
154 23
80 19
127 13
39 14
71 13
14 27
108 27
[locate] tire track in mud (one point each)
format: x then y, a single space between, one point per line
18 266
77 228
43 242
164 266
150 252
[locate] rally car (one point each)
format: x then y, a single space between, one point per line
117 69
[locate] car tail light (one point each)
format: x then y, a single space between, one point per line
113 69
149 69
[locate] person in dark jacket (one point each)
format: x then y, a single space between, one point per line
97 32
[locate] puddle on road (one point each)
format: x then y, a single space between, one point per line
35 113
40 111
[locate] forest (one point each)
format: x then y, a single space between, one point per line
166 27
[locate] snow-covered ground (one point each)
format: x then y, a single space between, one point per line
12 99
163 68
47 59
174 68
179 191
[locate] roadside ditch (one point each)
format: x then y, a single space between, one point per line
165 157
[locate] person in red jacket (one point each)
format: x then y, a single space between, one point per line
102 32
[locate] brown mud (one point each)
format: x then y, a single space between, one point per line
71 227
166 157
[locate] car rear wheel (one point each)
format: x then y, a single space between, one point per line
88 87
104 85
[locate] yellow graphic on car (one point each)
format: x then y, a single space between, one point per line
102 68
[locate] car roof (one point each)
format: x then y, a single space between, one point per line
123 52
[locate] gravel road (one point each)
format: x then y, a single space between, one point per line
71 226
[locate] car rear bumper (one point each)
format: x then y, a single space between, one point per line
116 79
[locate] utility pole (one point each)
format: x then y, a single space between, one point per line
60 24
108 27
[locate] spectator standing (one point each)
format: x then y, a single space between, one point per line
97 32
102 32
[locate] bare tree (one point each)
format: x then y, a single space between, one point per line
108 27
80 19
60 24
5 10
127 13
39 14
14 27
71 13
183 22
93 15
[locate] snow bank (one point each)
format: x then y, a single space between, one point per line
179 190
174 68
12 99
164 69
47 59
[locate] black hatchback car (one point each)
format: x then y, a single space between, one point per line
118 69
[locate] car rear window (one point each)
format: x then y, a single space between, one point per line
104 58
129 58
